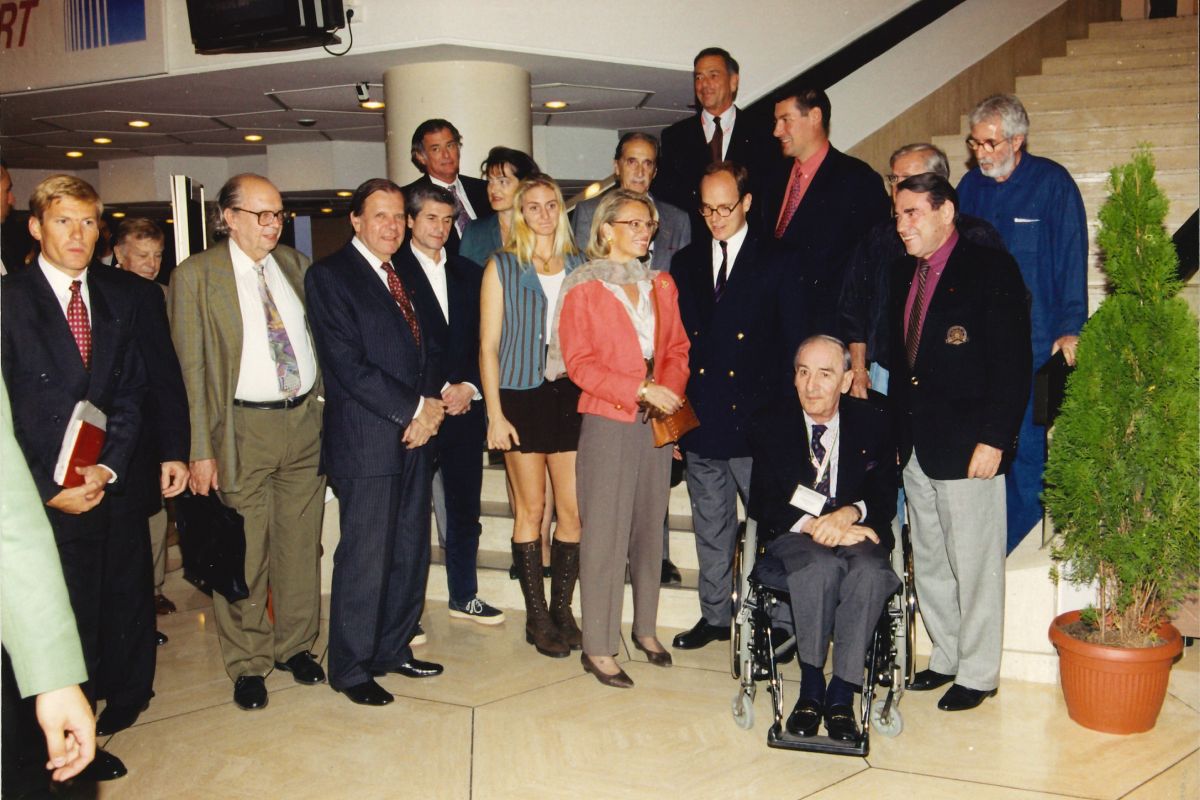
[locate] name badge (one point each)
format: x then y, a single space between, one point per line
810 501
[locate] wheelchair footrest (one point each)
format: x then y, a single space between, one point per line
780 738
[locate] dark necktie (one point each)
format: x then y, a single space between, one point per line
916 317
77 321
717 143
723 273
818 451
396 287
461 217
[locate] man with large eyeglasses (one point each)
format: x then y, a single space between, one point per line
737 303
250 367
1036 207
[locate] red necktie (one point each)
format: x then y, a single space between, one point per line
795 191
81 327
396 287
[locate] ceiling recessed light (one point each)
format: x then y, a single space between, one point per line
326 210
555 104
345 193
74 154
170 221
118 214
138 123
372 105
102 140
253 137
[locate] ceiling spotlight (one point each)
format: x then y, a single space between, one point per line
555 104
345 193
363 92
74 154
138 123
253 137
118 215
326 210
102 140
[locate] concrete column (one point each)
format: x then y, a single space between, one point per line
488 102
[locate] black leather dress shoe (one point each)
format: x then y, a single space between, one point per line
117 718
104 767
670 574
160 638
416 668
927 679
701 634
368 693
304 668
840 724
805 718
960 698
250 692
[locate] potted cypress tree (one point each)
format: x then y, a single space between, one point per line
1122 474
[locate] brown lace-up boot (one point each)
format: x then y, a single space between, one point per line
564 571
539 629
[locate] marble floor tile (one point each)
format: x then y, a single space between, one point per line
1185 677
1180 782
882 784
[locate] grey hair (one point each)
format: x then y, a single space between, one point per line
1014 121
821 337
935 158
229 197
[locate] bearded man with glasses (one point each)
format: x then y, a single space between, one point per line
738 300
1036 207
250 367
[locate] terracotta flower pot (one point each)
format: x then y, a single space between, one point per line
1114 689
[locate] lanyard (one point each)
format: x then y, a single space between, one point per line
824 462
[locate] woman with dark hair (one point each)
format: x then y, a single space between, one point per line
624 345
531 405
504 169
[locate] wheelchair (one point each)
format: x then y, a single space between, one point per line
760 594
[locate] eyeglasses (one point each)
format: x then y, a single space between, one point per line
265 218
987 146
894 179
721 211
638 225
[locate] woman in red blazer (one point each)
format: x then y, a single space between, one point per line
624 345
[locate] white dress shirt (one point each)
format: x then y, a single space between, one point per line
733 246
257 378
435 273
457 188
830 440
708 121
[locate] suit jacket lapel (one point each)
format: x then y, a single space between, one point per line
53 326
944 286
105 326
224 305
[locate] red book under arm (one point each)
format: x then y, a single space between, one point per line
81 445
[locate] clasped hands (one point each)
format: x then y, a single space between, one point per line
425 424
838 528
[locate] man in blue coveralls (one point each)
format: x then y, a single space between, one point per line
1035 205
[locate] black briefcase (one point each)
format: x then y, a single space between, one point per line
212 539
1049 388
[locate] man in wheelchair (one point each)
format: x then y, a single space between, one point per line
823 490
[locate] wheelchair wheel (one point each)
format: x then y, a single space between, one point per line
910 611
892 726
735 626
743 708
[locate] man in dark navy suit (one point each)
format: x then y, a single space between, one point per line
68 335
824 494
821 204
445 290
736 300
437 151
381 408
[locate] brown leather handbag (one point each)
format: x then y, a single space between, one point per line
668 428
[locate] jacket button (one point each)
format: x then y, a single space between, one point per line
56 418
731 373
741 336
44 378
695 333
734 407
618 406
702 370
913 380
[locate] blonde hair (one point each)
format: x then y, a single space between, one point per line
57 187
606 214
522 239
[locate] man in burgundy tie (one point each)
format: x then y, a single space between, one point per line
960 377
238 322
437 152
383 403
68 335
821 204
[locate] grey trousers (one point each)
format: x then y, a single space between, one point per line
835 590
623 483
959 530
158 548
713 486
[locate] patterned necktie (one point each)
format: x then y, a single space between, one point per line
818 451
717 143
723 273
916 317
287 370
461 217
396 287
77 321
795 190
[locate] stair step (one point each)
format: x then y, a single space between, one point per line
1142 27
1078 162
1077 119
1116 79
1088 97
1070 65
1109 138
1131 44
494 500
